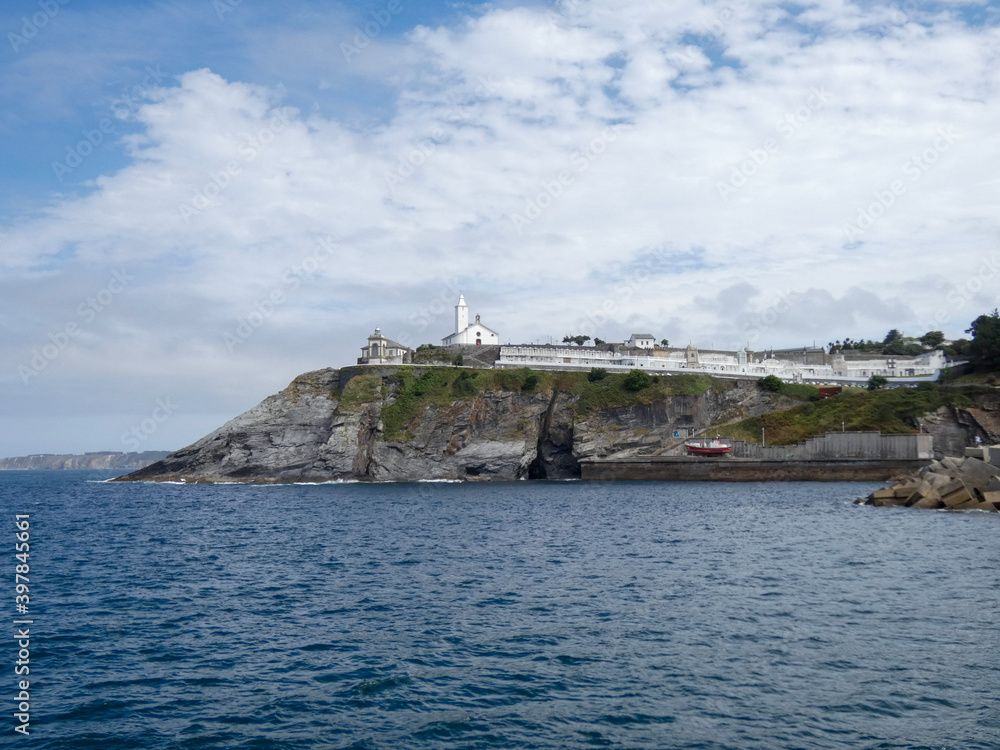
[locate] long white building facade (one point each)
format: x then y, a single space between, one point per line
740 364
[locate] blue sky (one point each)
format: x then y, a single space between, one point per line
179 174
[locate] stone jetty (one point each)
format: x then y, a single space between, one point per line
970 482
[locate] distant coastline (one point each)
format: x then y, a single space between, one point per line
100 460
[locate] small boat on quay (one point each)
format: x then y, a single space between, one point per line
707 447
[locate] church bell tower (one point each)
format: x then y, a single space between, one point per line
461 314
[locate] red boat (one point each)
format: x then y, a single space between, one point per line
712 447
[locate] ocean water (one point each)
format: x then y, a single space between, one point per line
523 615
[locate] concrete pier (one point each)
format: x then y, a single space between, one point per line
728 469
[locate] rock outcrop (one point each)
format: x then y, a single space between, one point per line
321 428
954 483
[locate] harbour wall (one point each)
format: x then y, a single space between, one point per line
725 469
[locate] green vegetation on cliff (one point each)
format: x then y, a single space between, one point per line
891 411
416 388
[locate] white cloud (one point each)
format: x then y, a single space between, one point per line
508 114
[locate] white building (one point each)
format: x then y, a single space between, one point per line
642 341
739 364
475 334
384 351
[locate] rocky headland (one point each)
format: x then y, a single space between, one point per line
412 423
98 460
407 423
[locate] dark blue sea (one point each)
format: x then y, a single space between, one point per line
523 615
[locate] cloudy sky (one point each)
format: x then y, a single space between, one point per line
204 198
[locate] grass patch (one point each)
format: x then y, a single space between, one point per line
442 386
890 411
413 392
613 391
799 391
359 391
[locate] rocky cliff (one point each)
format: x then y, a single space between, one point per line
408 424
109 460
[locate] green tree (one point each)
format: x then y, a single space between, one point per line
958 346
599 342
664 343
893 335
596 373
770 383
932 339
877 381
636 380
578 340
984 348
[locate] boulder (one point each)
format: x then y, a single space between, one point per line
990 507
952 463
977 473
957 497
967 505
888 502
993 485
952 485
936 480
927 503
916 497
934 467
882 494
991 497
994 455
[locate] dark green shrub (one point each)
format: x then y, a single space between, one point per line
770 383
877 381
596 374
636 380
465 384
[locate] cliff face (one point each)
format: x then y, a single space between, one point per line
311 432
109 460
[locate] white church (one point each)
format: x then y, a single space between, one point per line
476 334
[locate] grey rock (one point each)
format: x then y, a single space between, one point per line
328 426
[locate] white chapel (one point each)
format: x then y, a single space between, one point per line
475 334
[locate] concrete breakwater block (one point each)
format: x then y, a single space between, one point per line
967 483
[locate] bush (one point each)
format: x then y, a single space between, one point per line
465 384
877 381
770 383
458 361
596 374
637 380
530 383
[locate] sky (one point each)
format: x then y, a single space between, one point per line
202 199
